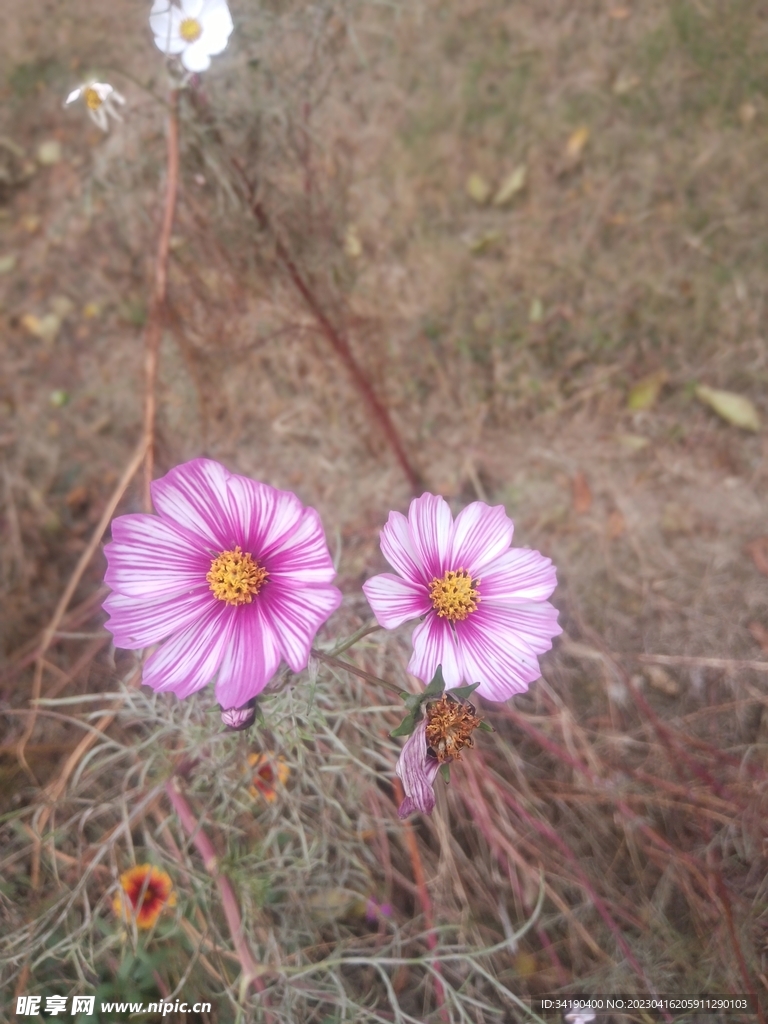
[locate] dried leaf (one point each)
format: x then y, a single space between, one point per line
662 681
646 392
484 242
625 82
352 244
478 188
49 152
536 311
512 184
759 634
576 143
581 494
632 442
619 13
734 409
616 524
758 549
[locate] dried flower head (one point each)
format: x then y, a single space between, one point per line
483 606
195 30
270 770
232 574
100 101
145 891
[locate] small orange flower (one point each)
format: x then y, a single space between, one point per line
270 770
149 891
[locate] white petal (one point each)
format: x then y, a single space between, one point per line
431 526
191 8
518 573
164 22
190 659
195 57
397 547
250 659
217 25
435 643
395 601
480 534
295 617
74 95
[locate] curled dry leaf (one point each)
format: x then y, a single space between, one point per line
577 140
616 524
645 393
478 188
512 184
734 409
581 494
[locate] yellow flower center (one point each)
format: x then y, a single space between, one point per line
235 577
450 725
454 595
92 99
190 30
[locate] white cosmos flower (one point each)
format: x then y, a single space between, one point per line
196 30
100 99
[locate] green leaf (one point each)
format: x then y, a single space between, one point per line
463 692
436 687
445 771
406 727
734 409
485 727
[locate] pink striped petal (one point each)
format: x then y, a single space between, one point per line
480 534
394 601
417 773
136 624
149 558
301 556
397 547
190 659
431 523
269 517
519 573
499 646
250 659
435 643
196 496
295 616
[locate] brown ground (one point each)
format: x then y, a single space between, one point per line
505 341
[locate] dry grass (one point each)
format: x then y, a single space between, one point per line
503 341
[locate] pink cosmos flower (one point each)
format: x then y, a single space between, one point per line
485 617
232 575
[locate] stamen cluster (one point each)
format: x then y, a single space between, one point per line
454 596
450 725
235 577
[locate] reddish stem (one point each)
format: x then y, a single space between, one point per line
251 970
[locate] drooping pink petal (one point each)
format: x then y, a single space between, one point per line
195 496
519 573
269 517
295 616
191 658
250 659
394 600
136 624
480 534
499 646
435 643
397 547
149 558
430 523
417 773
301 556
